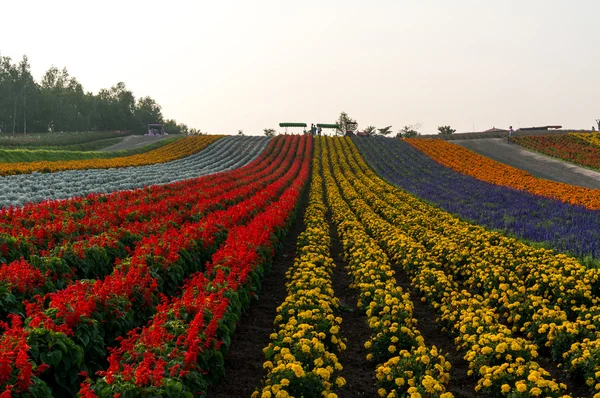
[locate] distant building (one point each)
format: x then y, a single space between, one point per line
495 130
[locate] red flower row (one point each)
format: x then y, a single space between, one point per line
567 147
181 348
87 316
94 257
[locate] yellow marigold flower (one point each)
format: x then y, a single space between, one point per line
505 388
268 365
340 381
521 386
284 382
382 392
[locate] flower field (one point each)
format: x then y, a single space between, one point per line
571 147
176 150
222 155
140 290
182 259
471 163
592 138
555 224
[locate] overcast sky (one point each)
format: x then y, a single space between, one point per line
226 65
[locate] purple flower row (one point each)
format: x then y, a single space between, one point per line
564 227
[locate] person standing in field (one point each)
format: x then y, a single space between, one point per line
511 132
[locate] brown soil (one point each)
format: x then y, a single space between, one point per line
244 362
359 374
460 384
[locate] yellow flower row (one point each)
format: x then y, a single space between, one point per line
176 150
301 357
410 231
406 367
551 298
593 138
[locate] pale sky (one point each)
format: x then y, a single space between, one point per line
226 65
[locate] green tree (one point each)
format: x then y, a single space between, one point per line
446 130
370 130
345 124
147 111
385 131
269 132
410 131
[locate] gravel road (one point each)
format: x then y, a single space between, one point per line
539 165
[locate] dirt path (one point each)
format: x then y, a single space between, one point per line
244 362
539 165
137 141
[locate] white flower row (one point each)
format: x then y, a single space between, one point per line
225 154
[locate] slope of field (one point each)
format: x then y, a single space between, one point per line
52 155
483 168
105 262
504 304
565 227
138 141
173 151
537 164
224 154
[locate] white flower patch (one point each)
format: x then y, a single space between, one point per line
225 154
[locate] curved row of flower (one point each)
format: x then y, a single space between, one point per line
405 365
483 168
225 154
301 358
410 232
567 147
551 298
61 246
568 228
71 328
593 138
176 150
180 351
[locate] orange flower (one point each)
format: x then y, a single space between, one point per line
176 150
468 162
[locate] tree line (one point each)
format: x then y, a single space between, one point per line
59 103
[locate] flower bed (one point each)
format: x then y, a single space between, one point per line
470 163
176 150
223 155
566 147
561 226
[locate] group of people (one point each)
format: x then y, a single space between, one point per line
315 130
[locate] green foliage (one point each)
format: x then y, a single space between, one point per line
385 131
346 124
270 132
370 130
59 103
36 155
446 130
409 131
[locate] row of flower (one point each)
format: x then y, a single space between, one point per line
435 249
222 155
405 365
301 359
181 349
175 150
483 168
592 138
568 228
92 239
567 147
70 329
